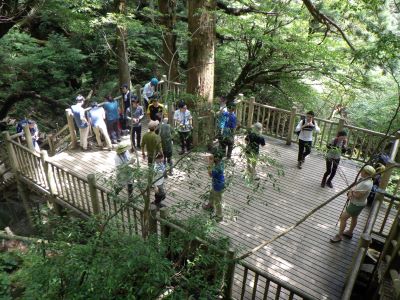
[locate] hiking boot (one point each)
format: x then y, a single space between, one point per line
299 164
323 182
208 206
329 184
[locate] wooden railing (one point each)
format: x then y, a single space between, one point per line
366 238
257 284
280 123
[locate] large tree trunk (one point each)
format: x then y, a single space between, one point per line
124 75
201 21
170 53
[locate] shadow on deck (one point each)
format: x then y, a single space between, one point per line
304 258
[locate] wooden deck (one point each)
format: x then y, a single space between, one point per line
304 258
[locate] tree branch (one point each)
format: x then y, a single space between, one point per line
241 11
323 19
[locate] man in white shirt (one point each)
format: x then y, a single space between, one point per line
149 91
96 118
305 128
183 122
357 197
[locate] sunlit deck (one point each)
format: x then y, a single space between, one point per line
304 258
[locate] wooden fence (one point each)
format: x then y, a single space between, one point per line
281 123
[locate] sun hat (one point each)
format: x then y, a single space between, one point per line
153 124
257 126
121 149
369 170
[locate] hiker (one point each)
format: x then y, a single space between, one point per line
151 142
305 130
166 143
155 110
96 118
135 115
159 174
227 137
34 130
123 162
253 140
126 104
112 117
357 200
379 168
216 172
149 91
221 116
335 149
81 121
183 123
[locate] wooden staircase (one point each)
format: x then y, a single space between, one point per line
389 265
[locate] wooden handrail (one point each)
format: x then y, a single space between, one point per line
277 281
369 131
24 148
15 135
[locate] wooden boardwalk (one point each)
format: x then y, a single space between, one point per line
303 258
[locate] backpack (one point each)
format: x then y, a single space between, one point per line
303 120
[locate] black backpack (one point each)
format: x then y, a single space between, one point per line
303 119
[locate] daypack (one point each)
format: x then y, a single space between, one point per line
303 120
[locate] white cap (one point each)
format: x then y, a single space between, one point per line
80 98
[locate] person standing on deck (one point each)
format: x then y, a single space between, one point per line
166 142
96 118
227 138
151 142
155 111
126 104
149 92
183 122
112 116
216 172
135 115
253 140
81 121
335 150
305 129
357 198
159 174
123 162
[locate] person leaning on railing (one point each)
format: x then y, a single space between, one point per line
357 200
112 117
81 121
96 117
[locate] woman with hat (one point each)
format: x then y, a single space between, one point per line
357 200
123 162
253 140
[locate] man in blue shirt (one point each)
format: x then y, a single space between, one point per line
135 115
227 137
81 121
96 118
112 116
216 172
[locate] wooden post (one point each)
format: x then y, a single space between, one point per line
11 153
93 193
153 220
395 147
165 230
51 183
229 275
239 109
164 89
251 112
138 93
195 131
340 125
28 138
292 124
71 127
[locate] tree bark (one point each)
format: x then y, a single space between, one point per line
124 74
170 53
201 54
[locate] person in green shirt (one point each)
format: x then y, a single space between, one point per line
151 142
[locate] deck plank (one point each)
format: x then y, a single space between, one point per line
304 257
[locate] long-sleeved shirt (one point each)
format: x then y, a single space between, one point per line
148 91
306 134
97 116
137 116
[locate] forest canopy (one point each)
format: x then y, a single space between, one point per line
339 58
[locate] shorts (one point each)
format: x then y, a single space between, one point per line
354 210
